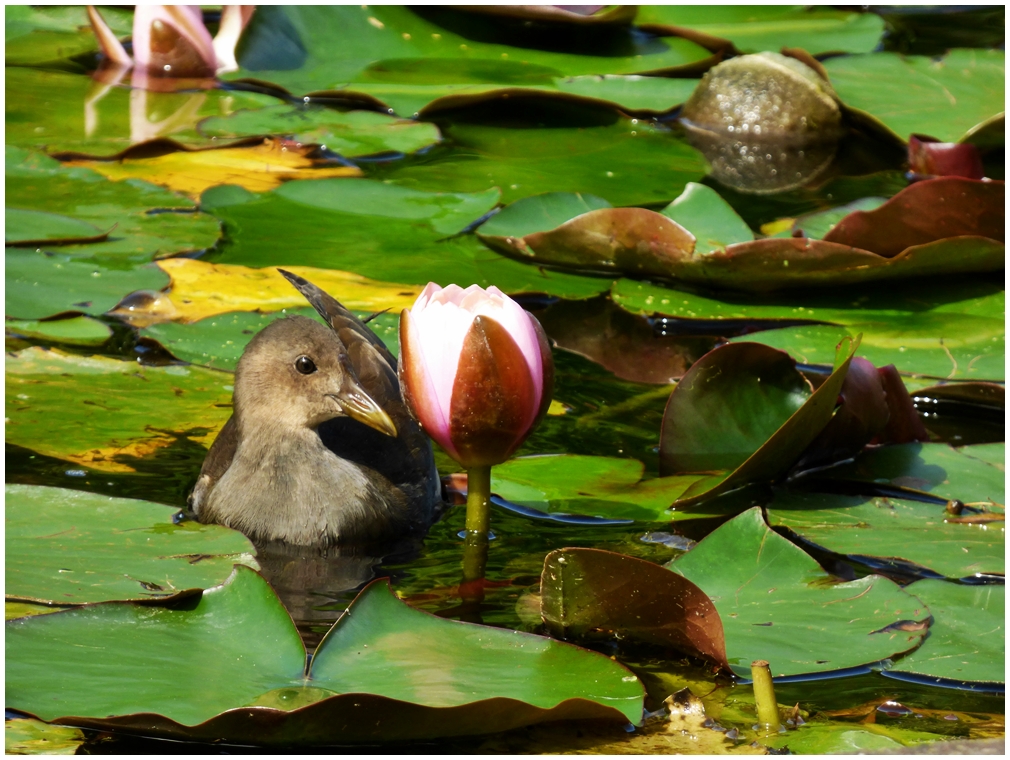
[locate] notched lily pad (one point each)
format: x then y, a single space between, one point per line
396 673
71 547
967 640
777 604
744 413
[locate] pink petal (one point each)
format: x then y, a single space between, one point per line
420 389
112 48
186 19
233 20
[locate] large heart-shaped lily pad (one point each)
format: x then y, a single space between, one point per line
385 672
886 528
753 28
744 411
606 487
967 640
380 231
70 547
942 98
36 182
952 330
102 412
776 604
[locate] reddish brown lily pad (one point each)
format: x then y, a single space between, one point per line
927 211
587 589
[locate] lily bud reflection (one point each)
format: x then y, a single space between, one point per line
476 370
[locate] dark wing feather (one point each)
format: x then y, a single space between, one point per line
218 460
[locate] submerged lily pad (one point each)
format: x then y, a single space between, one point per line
351 133
777 604
103 412
942 98
36 182
967 640
71 547
744 412
887 528
587 485
385 672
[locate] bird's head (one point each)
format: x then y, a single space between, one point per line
296 373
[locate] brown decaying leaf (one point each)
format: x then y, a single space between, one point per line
587 589
930 158
945 207
258 168
643 243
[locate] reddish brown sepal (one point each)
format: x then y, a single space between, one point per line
904 424
929 158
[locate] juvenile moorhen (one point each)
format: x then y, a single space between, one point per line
320 449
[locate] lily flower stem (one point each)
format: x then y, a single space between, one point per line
764 697
478 500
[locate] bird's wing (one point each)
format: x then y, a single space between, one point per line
218 460
371 361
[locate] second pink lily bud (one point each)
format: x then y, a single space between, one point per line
476 370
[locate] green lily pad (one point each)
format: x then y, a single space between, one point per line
608 159
903 95
753 28
539 213
820 223
380 231
218 342
351 133
35 182
777 604
76 331
42 284
934 467
43 34
379 655
292 47
747 413
631 93
30 228
25 736
107 411
44 112
711 220
72 547
589 485
893 528
847 739
967 640
951 330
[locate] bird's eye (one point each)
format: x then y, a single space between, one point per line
305 365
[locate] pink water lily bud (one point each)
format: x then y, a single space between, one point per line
476 370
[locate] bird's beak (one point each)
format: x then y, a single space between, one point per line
359 406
